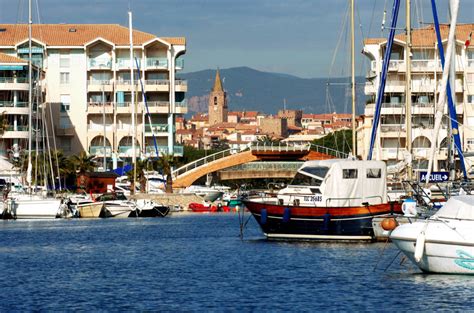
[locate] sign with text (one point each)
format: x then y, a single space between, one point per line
435 177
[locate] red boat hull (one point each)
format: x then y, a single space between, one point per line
318 223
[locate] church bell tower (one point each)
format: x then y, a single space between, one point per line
217 103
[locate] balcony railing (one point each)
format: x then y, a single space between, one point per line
11 104
128 150
17 128
99 150
181 82
99 127
177 150
100 63
13 80
158 103
157 128
157 82
99 82
157 63
179 63
125 63
392 127
97 104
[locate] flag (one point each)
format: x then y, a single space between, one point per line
468 41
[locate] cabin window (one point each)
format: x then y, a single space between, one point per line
303 180
349 173
319 171
374 173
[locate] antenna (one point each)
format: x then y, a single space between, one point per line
284 104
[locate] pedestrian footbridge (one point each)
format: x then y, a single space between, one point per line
278 159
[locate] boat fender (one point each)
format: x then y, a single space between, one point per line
389 223
263 216
420 246
286 215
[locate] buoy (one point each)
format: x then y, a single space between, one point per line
286 215
389 223
263 216
420 246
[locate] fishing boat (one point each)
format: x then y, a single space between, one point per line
444 243
332 199
116 205
149 208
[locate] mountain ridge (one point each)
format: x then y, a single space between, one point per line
254 90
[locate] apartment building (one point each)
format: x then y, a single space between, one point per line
87 84
426 75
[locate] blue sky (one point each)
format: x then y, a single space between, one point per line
296 37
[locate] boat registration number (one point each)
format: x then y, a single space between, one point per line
313 198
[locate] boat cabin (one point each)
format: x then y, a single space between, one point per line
337 182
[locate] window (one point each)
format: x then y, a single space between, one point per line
215 100
65 144
64 122
65 103
303 180
349 173
374 173
64 62
316 171
64 78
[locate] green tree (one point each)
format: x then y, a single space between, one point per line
339 140
82 163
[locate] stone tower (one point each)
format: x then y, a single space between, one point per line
217 103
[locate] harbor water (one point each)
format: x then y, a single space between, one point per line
194 262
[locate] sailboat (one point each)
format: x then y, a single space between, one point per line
27 206
444 243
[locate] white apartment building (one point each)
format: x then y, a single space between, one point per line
87 84
426 74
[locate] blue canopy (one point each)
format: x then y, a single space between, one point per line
122 170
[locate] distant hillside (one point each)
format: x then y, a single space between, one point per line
252 90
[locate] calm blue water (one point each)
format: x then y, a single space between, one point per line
198 263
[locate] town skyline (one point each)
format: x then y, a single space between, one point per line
258 34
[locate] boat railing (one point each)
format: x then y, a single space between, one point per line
328 200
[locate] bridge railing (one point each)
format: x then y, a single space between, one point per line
263 146
207 159
330 151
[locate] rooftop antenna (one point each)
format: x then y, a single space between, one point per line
284 104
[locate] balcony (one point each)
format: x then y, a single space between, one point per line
392 153
100 128
181 107
422 108
392 130
158 107
99 64
425 65
99 107
125 85
14 83
65 131
177 150
156 63
100 85
124 63
99 150
179 65
127 151
157 85
156 129
15 132
15 107
181 85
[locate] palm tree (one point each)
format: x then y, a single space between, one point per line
141 166
82 164
165 162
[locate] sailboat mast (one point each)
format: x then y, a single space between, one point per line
30 97
353 85
132 86
408 141
105 129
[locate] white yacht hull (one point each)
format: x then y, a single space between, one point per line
448 245
35 208
118 208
